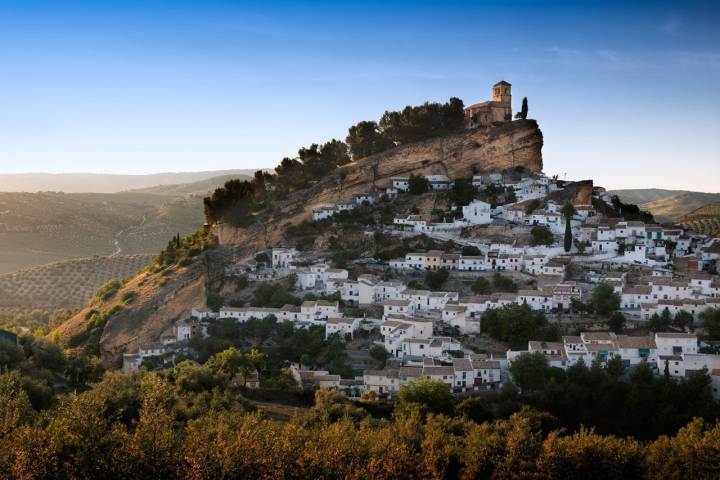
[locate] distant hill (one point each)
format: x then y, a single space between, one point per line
705 219
38 228
667 205
101 182
645 195
200 187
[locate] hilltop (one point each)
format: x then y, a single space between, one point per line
516 144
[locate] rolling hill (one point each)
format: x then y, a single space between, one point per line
103 183
44 227
667 205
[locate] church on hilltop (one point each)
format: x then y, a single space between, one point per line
499 109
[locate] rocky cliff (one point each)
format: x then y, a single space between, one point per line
161 299
488 149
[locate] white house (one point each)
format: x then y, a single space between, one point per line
439 182
342 326
364 198
282 258
401 184
477 212
318 310
669 344
397 307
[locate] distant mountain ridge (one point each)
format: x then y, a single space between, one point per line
104 183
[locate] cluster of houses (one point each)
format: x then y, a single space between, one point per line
411 318
474 372
172 341
670 353
497 258
322 212
653 294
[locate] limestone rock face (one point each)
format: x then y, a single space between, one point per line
481 150
159 303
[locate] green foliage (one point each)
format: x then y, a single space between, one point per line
683 320
365 139
435 279
517 324
660 323
710 318
379 354
480 286
278 342
414 124
181 251
426 396
541 236
418 184
470 251
190 422
11 354
462 191
580 246
214 301
82 369
567 239
631 212
128 296
232 363
273 295
504 284
604 299
617 322
530 371
109 289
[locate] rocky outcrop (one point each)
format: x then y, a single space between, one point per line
577 193
487 149
160 301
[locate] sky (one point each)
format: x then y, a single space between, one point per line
625 93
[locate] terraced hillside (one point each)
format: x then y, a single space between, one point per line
68 284
705 219
45 227
667 205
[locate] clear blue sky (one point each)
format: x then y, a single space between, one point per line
625 94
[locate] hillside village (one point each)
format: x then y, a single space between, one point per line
518 239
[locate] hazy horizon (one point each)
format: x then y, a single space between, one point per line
625 93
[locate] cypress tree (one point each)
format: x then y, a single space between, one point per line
568 235
524 109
